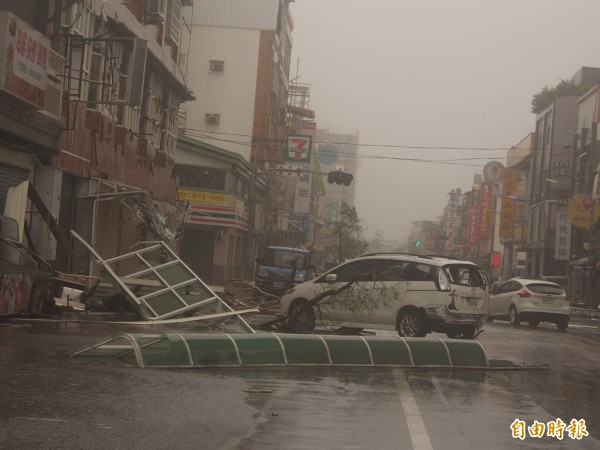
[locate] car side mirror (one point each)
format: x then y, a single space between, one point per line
331 278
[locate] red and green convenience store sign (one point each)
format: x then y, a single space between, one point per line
215 208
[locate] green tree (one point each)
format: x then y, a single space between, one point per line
564 88
348 230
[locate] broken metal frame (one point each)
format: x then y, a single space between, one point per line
174 287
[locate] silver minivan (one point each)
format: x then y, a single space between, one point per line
412 294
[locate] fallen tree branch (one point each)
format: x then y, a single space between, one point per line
306 306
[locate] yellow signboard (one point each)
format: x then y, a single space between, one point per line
508 207
211 198
582 209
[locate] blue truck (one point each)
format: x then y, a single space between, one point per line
283 267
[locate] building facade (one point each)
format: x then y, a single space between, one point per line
237 61
97 140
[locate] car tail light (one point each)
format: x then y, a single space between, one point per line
443 283
523 293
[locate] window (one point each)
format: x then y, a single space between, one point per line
511 286
217 66
393 270
151 109
284 258
201 177
418 272
540 288
173 28
364 270
464 275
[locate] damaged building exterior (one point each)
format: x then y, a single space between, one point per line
91 122
151 120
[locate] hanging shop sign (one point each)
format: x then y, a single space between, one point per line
562 245
298 148
583 211
23 60
492 171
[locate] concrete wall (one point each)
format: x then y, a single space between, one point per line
230 93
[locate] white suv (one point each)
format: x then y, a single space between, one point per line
413 294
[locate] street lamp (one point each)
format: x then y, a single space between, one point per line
550 180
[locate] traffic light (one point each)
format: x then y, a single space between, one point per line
339 177
417 243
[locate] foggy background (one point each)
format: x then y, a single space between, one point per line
453 77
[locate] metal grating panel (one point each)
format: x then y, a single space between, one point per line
162 285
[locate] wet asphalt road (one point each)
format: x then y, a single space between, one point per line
50 401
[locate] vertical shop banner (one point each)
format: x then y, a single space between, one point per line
562 245
484 209
302 200
297 155
473 238
451 219
508 207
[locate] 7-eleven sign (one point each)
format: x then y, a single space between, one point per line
298 148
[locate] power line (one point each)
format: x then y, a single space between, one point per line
202 133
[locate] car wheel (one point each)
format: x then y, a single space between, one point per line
301 315
489 319
562 324
513 317
462 332
411 323
533 323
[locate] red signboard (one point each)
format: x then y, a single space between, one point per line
474 197
23 60
484 211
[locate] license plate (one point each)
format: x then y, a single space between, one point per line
471 302
278 284
548 301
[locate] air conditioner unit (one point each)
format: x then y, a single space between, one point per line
155 11
217 66
213 119
54 85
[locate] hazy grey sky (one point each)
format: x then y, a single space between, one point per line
431 73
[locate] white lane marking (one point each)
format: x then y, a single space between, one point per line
581 326
43 419
416 426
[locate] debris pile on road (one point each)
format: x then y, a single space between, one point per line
241 294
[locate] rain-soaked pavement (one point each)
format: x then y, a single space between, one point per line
50 401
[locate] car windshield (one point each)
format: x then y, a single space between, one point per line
284 258
542 288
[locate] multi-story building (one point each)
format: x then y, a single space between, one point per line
551 177
585 238
237 60
95 132
513 203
